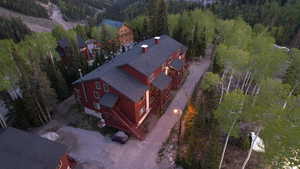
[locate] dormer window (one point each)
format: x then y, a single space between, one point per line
97 106
105 87
98 85
96 94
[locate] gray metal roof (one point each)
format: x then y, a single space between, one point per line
156 55
116 24
109 100
177 64
145 63
162 81
20 150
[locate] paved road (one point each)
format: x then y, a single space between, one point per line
142 154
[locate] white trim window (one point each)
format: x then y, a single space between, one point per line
166 69
97 106
59 165
142 110
105 87
98 85
96 94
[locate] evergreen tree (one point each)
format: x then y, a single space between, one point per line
212 156
57 81
162 18
145 29
158 17
82 31
179 33
39 97
13 28
292 76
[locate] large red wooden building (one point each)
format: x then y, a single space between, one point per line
124 91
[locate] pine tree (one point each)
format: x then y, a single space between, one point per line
57 81
162 18
158 17
292 76
145 29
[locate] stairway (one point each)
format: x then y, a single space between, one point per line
126 125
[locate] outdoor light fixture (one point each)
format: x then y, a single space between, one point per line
176 111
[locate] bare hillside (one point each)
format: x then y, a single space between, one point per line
41 24
34 23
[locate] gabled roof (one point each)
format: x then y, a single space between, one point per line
20 150
116 24
146 63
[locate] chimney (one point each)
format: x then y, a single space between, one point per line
145 48
156 39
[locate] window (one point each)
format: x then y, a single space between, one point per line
151 78
142 110
96 94
181 55
98 85
166 70
142 98
105 87
59 165
97 106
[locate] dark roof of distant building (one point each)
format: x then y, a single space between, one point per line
63 43
21 150
145 63
109 100
162 81
116 24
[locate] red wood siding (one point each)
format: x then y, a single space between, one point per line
124 104
65 163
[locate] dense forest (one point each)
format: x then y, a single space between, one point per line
13 28
252 83
281 17
129 9
27 7
81 9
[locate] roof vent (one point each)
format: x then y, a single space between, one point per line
156 39
144 48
